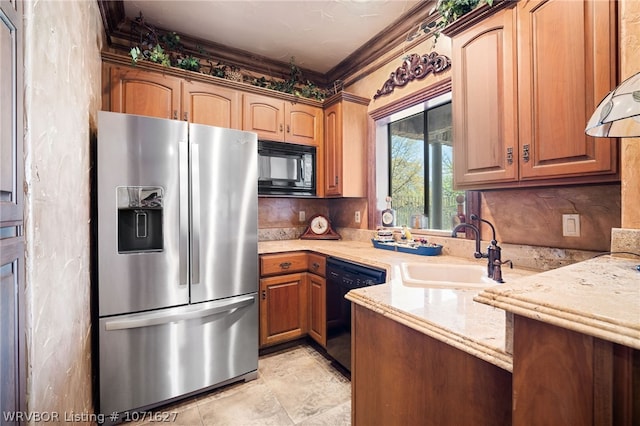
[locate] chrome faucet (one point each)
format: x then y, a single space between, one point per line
493 254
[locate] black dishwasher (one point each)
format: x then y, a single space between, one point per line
343 276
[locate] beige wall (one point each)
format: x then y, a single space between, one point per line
62 94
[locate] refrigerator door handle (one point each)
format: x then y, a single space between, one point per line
195 214
183 252
158 318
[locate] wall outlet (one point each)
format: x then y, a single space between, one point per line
302 216
357 217
570 225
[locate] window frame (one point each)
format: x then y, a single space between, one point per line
375 202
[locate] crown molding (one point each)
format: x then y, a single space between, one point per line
118 31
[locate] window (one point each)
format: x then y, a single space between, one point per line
419 165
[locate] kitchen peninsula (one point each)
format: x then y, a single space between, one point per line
445 347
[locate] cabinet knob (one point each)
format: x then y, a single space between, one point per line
263 294
185 116
285 265
175 114
315 265
525 153
280 127
288 129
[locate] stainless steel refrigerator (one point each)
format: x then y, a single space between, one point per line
177 257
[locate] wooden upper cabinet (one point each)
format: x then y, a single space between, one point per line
345 134
333 150
135 91
263 115
566 65
526 79
141 92
279 120
212 105
303 124
484 95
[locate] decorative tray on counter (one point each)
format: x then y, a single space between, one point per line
413 248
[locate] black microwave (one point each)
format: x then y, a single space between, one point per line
286 169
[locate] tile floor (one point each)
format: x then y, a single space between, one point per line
295 386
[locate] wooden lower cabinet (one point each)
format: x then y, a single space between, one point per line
283 308
402 377
292 300
317 309
562 377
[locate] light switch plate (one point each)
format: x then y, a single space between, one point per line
302 216
570 225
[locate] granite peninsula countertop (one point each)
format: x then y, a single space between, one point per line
449 315
599 297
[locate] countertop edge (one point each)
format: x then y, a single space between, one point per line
615 333
474 348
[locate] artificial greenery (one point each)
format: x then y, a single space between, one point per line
294 85
450 10
167 50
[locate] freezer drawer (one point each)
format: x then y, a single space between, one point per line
151 357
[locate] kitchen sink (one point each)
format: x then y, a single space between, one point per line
445 275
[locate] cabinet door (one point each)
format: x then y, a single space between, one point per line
263 115
333 150
211 105
12 326
11 112
485 102
317 309
283 308
303 124
147 93
566 64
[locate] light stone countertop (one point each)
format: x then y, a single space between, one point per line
448 315
599 297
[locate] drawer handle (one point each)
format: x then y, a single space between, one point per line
315 265
264 294
285 265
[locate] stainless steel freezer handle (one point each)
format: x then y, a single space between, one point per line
178 314
183 256
195 214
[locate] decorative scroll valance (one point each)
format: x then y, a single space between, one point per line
414 67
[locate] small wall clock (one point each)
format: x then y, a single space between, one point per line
319 229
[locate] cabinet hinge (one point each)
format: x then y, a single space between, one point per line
525 153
